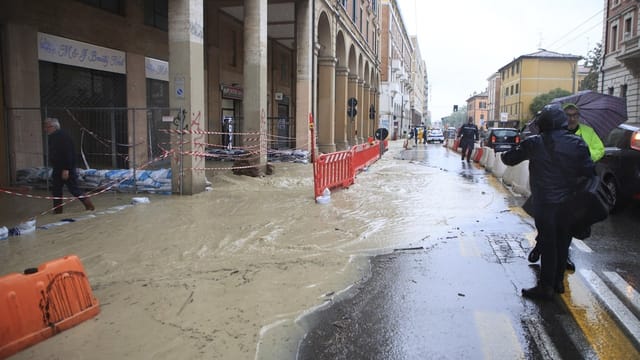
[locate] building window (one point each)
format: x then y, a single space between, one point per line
511 89
354 8
610 90
614 38
517 88
156 14
360 27
506 91
343 3
114 6
623 90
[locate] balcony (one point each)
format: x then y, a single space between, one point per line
629 54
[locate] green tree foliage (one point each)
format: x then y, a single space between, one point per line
593 61
457 118
541 100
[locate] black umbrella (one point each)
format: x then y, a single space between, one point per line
600 111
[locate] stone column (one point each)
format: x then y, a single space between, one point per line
326 103
360 118
186 76
373 123
255 79
365 112
342 120
22 85
352 136
304 56
137 98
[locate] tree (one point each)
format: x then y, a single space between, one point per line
594 58
457 118
541 100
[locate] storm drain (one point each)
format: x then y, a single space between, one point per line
507 247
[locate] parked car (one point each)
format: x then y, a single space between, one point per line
502 139
435 135
620 165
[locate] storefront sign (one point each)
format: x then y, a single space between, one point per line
231 92
156 69
75 53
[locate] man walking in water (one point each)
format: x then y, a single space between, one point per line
468 135
62 157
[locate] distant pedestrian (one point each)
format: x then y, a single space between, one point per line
468 135
557 160
62 157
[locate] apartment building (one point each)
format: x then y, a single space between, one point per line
620 71
531 75
396 71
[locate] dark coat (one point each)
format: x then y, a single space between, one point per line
62 155
468 133
557 160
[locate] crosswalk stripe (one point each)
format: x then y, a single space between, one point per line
498 337
581 245
624 289
601 331
543 341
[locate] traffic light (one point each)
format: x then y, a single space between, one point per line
352 110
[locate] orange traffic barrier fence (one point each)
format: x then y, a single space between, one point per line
339 169
333 170
43 302
478 155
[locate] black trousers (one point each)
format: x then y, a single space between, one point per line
553 224
467 148
57 183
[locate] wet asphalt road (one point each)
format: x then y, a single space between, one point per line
457 296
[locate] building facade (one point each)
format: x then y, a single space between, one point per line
477 109
531 75
238 75
396 60
620 71
493 100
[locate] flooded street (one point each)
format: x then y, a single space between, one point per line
230 273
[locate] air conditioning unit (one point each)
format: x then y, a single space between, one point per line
279 96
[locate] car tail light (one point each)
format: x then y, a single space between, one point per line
517 139
493 139
635 140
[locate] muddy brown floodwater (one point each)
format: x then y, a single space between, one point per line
228 273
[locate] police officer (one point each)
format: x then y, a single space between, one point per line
468 135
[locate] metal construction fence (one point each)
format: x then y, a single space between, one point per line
122 146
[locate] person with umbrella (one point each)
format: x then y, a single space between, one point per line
557 160
596 151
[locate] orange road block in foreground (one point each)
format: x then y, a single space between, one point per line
43 302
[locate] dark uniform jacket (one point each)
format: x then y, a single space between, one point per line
468 133
557 160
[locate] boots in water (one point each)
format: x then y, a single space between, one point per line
88 205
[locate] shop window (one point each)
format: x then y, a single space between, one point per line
114 6
156 14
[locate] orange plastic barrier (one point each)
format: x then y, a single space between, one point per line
333 170
338 169
478 155
43 302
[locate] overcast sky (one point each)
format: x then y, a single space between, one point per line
464 42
